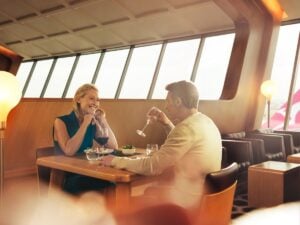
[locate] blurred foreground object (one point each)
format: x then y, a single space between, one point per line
287 213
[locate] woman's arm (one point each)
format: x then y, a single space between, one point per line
70 145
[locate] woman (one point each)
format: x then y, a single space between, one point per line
75 132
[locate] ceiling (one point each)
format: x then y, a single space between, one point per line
43 28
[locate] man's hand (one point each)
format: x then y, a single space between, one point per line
155 114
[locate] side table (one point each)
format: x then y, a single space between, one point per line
294 158
271 183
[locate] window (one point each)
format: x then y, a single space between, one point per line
84 72
23 73
213 65
110 72
177 64
141 70
38 78
59 77
282 73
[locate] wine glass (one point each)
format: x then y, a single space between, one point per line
102 139
149 119
141 132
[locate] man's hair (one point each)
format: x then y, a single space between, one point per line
186 91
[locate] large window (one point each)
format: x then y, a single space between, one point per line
282 73
38 78
142 66
84 72
213 66
23 73
140 72
177 65
110 72
59 77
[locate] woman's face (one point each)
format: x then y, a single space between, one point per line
89 102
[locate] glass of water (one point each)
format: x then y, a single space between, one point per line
151 148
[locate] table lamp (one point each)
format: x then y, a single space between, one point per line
268 89
10 95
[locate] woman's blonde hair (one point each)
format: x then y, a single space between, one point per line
81 92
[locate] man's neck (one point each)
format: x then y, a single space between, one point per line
185 113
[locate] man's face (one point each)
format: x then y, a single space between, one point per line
171 107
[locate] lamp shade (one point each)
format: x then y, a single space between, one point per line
268 88
10 94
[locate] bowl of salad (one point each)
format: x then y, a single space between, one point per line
128 149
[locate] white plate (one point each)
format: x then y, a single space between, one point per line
107 151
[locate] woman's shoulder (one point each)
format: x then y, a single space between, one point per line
67 117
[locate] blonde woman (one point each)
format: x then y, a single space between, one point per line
75 132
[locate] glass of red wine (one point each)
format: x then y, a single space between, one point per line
102 139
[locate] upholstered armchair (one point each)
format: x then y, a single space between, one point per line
295 139
239 151
274 146
257 145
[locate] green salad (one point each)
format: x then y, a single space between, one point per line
128 147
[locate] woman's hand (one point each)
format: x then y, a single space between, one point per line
99 115
88 116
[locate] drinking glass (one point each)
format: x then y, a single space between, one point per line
151 148
141 132
91 154
102 137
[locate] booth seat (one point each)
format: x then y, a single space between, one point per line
295 139
287 138
273 145
291 139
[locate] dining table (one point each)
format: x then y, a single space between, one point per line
118 197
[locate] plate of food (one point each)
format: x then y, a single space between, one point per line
106 151
128 149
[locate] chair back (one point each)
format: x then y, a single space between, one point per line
216 205
222 179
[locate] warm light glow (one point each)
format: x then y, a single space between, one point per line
268 89
275 8
10 95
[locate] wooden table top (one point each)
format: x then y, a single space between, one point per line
80 165
274 166
294 158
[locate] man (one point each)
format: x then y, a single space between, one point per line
193 145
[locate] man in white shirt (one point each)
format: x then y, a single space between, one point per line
193 146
